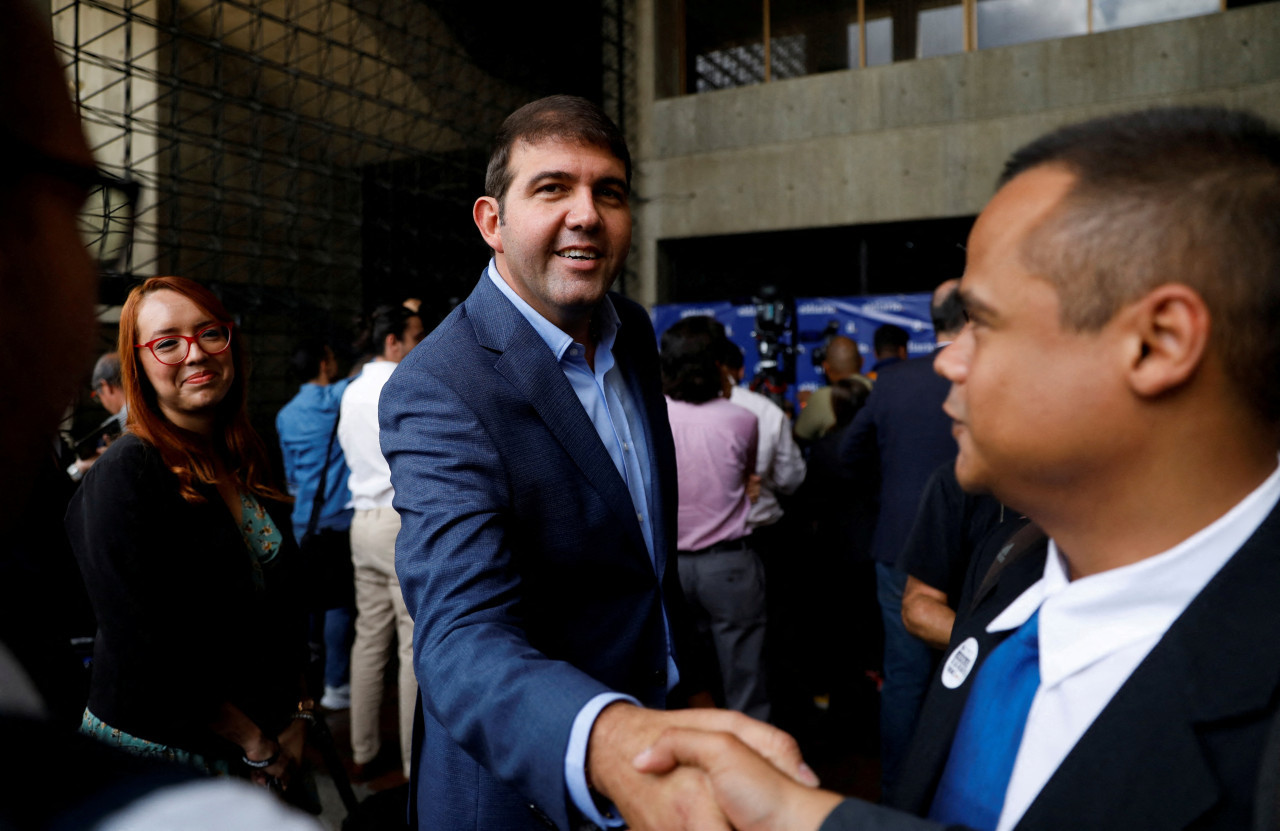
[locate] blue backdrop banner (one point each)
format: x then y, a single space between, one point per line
854 317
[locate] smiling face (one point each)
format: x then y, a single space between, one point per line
1035 407
188 393
563 230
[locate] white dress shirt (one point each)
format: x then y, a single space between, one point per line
370 479
1094 632
778 458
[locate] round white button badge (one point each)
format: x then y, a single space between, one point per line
960 664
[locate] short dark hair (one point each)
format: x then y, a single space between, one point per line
107 369
730 353
948 314
556 117
306 359
889 338
389 320
1179 194
690 358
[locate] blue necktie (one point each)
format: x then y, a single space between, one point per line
977 773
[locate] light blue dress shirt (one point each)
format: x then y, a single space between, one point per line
619 423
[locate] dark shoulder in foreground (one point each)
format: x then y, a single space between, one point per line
437 346
127 456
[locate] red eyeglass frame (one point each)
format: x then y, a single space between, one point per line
190 339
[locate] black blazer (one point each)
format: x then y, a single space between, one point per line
1180 744
181 628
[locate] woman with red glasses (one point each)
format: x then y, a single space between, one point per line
184 547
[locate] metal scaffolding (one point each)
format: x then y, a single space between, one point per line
310 158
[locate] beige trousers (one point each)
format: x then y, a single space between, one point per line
380 613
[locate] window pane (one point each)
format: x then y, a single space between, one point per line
941 31
724 43
787 57
1117 14
737 66
811 36
879 42
1003 22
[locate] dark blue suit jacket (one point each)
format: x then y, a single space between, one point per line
521 558
902 433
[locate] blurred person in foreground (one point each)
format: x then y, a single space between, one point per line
534 476
48 284
48 287
1116 382
180 535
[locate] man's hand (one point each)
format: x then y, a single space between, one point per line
750 791
925 613
682 798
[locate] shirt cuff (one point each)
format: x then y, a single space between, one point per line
575 761
74 472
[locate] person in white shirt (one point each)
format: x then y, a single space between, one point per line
779 462
380 607
1115 383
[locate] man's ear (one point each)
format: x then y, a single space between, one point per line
390 345
1170 337
486 215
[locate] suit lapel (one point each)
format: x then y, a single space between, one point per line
940 716
528 364
1145 761
637 362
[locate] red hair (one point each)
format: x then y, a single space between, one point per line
192 457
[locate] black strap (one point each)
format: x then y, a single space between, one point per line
318 502
1023 540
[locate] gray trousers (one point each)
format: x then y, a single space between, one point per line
725 594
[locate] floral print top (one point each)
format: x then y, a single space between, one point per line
260 533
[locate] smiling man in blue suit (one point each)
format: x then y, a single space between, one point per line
535 478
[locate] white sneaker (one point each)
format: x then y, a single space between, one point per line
336 698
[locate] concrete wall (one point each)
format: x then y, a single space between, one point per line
918 139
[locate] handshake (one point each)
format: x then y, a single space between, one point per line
703 769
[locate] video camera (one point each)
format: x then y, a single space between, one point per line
819 353
775 371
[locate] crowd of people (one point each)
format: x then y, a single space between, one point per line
584 539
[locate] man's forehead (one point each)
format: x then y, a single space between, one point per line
558 146
1017 211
